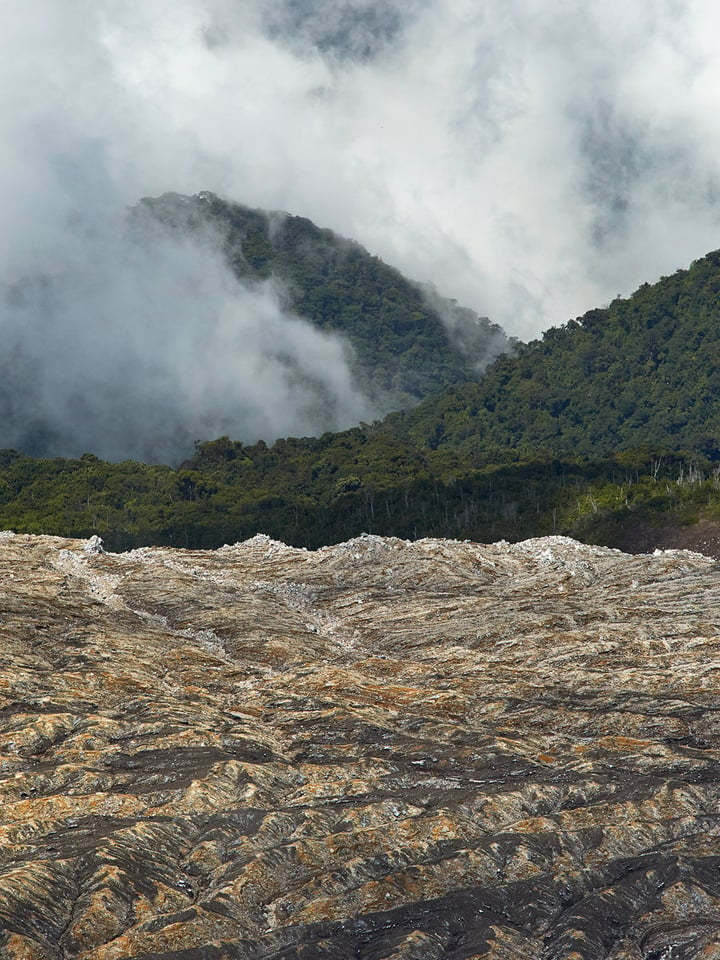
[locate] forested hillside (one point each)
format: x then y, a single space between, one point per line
642 372
409 341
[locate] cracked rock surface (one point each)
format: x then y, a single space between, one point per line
379 750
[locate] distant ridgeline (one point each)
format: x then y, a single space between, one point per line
604 428
408 341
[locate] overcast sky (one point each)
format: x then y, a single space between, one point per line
531 158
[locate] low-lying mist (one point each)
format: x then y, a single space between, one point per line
131 343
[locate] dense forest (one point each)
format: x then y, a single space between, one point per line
605 426
316 491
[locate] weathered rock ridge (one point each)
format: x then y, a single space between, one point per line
382 750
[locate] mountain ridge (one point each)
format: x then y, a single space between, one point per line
409 341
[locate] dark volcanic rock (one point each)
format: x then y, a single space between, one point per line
381 750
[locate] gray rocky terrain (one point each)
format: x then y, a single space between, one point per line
381 750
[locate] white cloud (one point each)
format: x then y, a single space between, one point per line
149 346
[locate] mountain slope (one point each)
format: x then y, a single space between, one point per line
605 430
409 342
643 372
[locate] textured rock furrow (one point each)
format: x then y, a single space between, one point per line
379 750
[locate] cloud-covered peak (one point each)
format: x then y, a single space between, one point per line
531 160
